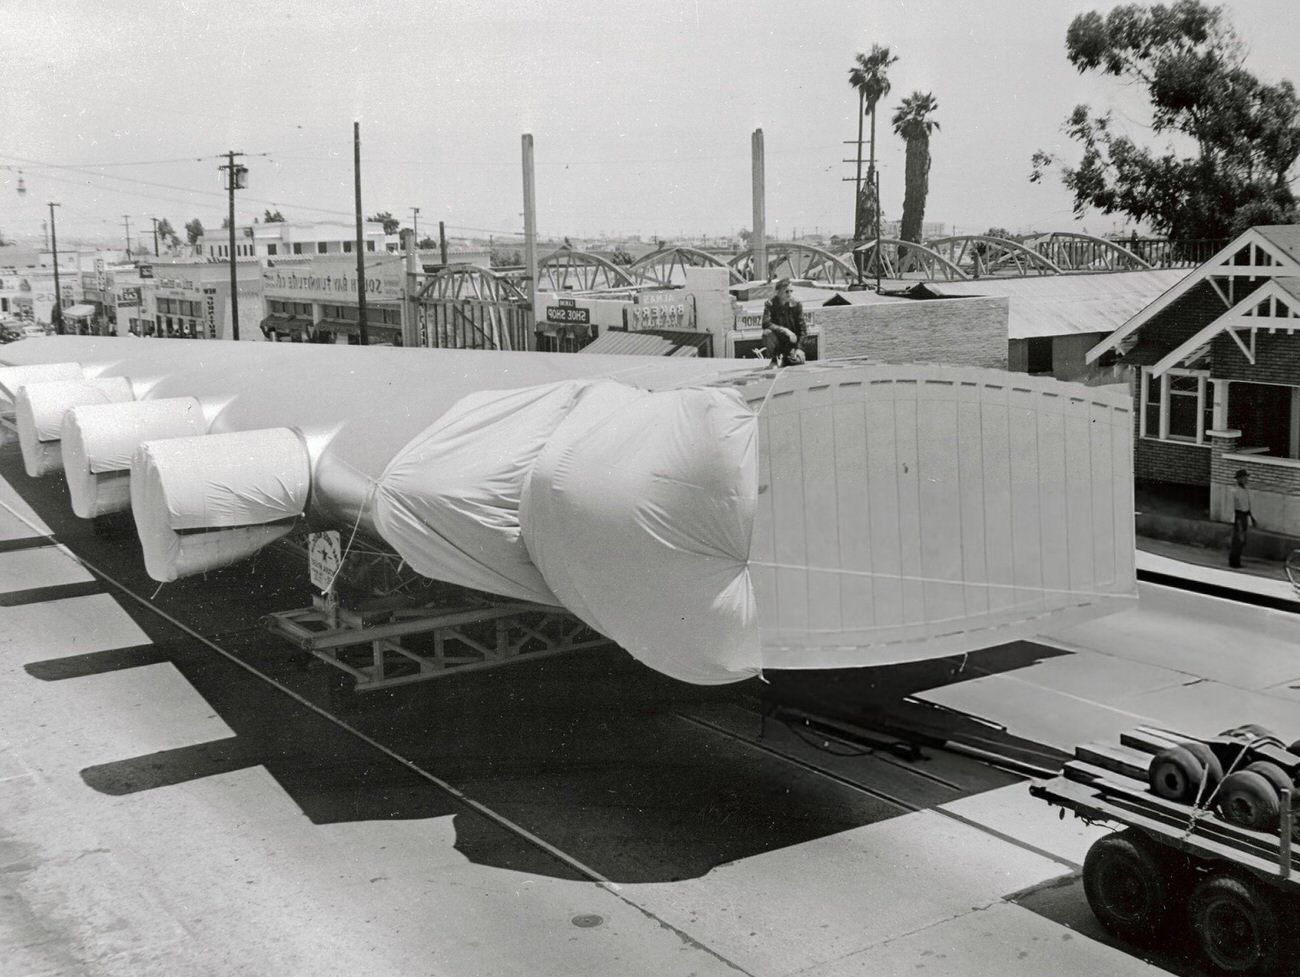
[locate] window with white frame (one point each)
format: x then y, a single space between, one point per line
1177 406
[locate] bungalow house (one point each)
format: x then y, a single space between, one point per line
1216 378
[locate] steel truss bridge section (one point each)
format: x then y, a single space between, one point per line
666 268
382 647
903 259
801 261
468 307
1071 251
571 270
982 256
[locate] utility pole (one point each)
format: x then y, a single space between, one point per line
530 237
155 236
759 240
415 220
442 242
56 314
361 256
876 206
236 178
126 221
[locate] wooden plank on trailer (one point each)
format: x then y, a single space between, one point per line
1118 759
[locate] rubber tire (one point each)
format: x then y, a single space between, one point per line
1211 762
1274 774
1127 886
1248 800
1175 775
1294 748
1226 907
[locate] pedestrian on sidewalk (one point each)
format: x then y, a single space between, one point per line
1241 518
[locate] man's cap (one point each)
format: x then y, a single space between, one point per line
782 283
1241 473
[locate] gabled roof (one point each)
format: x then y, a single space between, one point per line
1277 244
1275 304
1284 236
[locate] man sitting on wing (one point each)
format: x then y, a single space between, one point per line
783 327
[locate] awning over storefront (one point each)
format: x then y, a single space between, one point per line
657 342
79 312
350 327
278 322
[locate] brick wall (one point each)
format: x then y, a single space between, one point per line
963 331
1277 358
1170 461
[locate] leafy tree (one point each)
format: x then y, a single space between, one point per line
391 223
426 242
165 230
745 235
869 77
193 230
913 123
272 217
1189 62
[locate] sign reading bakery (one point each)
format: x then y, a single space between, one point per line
668 309
324 280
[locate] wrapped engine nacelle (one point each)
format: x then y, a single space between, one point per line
13 378
99 441
38 415
201 503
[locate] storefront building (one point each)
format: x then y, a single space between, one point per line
314 300
1215 374
190 300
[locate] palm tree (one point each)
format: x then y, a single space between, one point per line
912 121
868 76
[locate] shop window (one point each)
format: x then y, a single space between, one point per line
370 245
270 249
1176 406
347 247
297 247
320 247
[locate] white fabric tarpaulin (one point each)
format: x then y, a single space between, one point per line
667 483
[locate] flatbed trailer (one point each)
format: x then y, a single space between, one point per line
1177 870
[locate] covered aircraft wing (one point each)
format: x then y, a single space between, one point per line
712 517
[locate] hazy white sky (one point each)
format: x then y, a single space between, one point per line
641 112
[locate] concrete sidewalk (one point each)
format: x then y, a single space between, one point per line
1200 565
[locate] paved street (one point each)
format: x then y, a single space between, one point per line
185 796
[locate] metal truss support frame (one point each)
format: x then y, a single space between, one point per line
905 259
384 647
569 269
667 266
798 261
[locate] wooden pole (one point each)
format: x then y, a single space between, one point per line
361 255
234 279
530 239
758 242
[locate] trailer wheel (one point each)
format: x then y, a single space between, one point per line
1294 748
1127 887
1274 774
1176 774
1248 799
1237 926
1211 762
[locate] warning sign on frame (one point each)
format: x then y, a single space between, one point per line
324 555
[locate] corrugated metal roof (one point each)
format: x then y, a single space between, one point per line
1060 305
630 344
1284 236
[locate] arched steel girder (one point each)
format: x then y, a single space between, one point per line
984 255
470 282
667 266
798 261
571 270
906 259
1084 252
